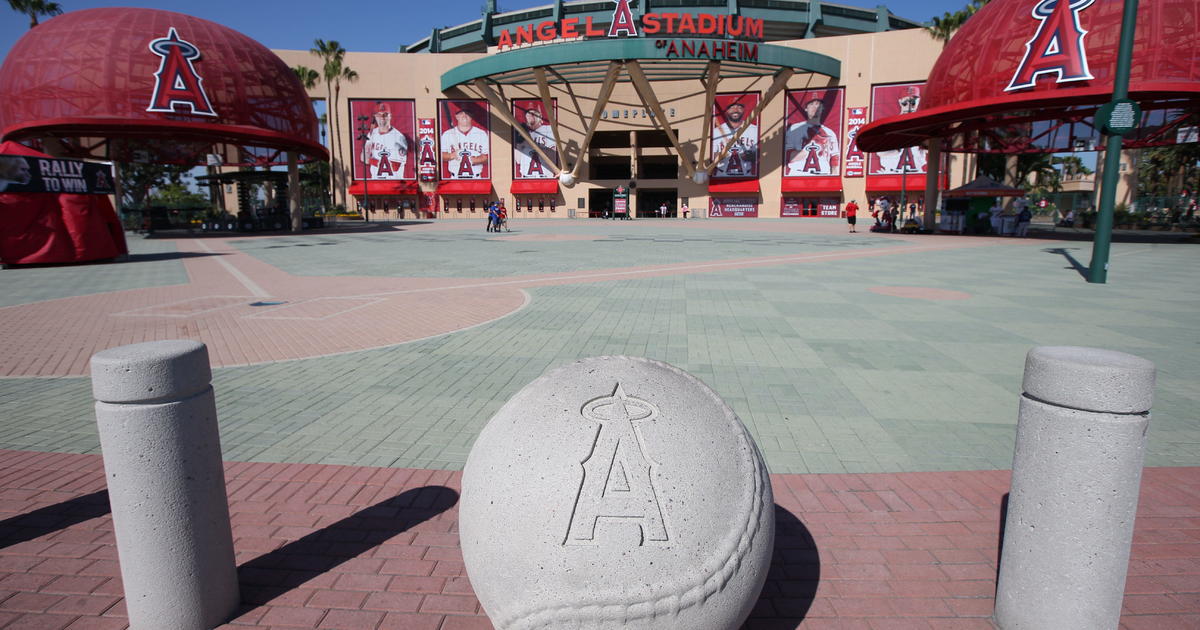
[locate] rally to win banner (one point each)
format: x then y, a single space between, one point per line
30 174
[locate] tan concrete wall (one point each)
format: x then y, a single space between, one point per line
867 59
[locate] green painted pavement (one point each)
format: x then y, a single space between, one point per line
152 263
474 253
828 376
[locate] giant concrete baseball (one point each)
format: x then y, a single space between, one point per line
616 492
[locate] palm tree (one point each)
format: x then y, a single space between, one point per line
1071 165
943 28
34 8
308 77
334 72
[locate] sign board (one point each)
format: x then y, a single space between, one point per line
1119 117
733 207
856 119
32 174
620 200
427 164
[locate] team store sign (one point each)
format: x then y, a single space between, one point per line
625 24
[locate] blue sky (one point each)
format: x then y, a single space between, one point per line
360 26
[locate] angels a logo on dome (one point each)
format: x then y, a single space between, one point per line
1057 46
623 22
176 84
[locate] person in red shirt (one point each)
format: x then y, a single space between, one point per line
852 214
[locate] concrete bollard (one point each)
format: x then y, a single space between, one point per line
1081 438
162 458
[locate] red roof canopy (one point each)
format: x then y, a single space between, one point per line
465 187
384 187
149 85
974 98
534 187
725 186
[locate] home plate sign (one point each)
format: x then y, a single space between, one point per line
616 492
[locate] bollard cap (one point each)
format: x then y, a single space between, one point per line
151 372
1089 379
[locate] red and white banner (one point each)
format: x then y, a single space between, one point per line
733 207
382 152
427 162
892 100
856 119
810 207
728 115
527 164
814 123
428 202
465 146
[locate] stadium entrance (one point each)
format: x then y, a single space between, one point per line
650 202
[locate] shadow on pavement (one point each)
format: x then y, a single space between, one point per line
52 518
282 570
136 258
1066 253
792 581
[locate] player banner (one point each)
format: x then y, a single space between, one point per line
856 119
728 115
810 207
465 149
32 174
382 153
733 207
527 164
892 100
427 163
814 123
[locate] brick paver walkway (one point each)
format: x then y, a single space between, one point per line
351 548
888 364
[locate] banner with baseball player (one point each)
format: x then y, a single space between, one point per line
531 115
383 153
465 146
730 113
892 100
814 123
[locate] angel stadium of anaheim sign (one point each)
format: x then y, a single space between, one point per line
719 28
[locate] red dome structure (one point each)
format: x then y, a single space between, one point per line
147 85
1026 76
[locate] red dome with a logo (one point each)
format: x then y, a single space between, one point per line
1027 75
150 85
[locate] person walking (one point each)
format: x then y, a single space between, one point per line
493 218
852 214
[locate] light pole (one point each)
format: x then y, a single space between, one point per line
364 131
1098 268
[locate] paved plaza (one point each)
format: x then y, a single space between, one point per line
353 368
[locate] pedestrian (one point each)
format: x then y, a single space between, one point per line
851 214
492 218
684 209
502 219
662 210
1024 217
994 219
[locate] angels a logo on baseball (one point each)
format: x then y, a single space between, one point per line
1056 47
618 480
176 83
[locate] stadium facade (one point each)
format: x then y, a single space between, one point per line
730 109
